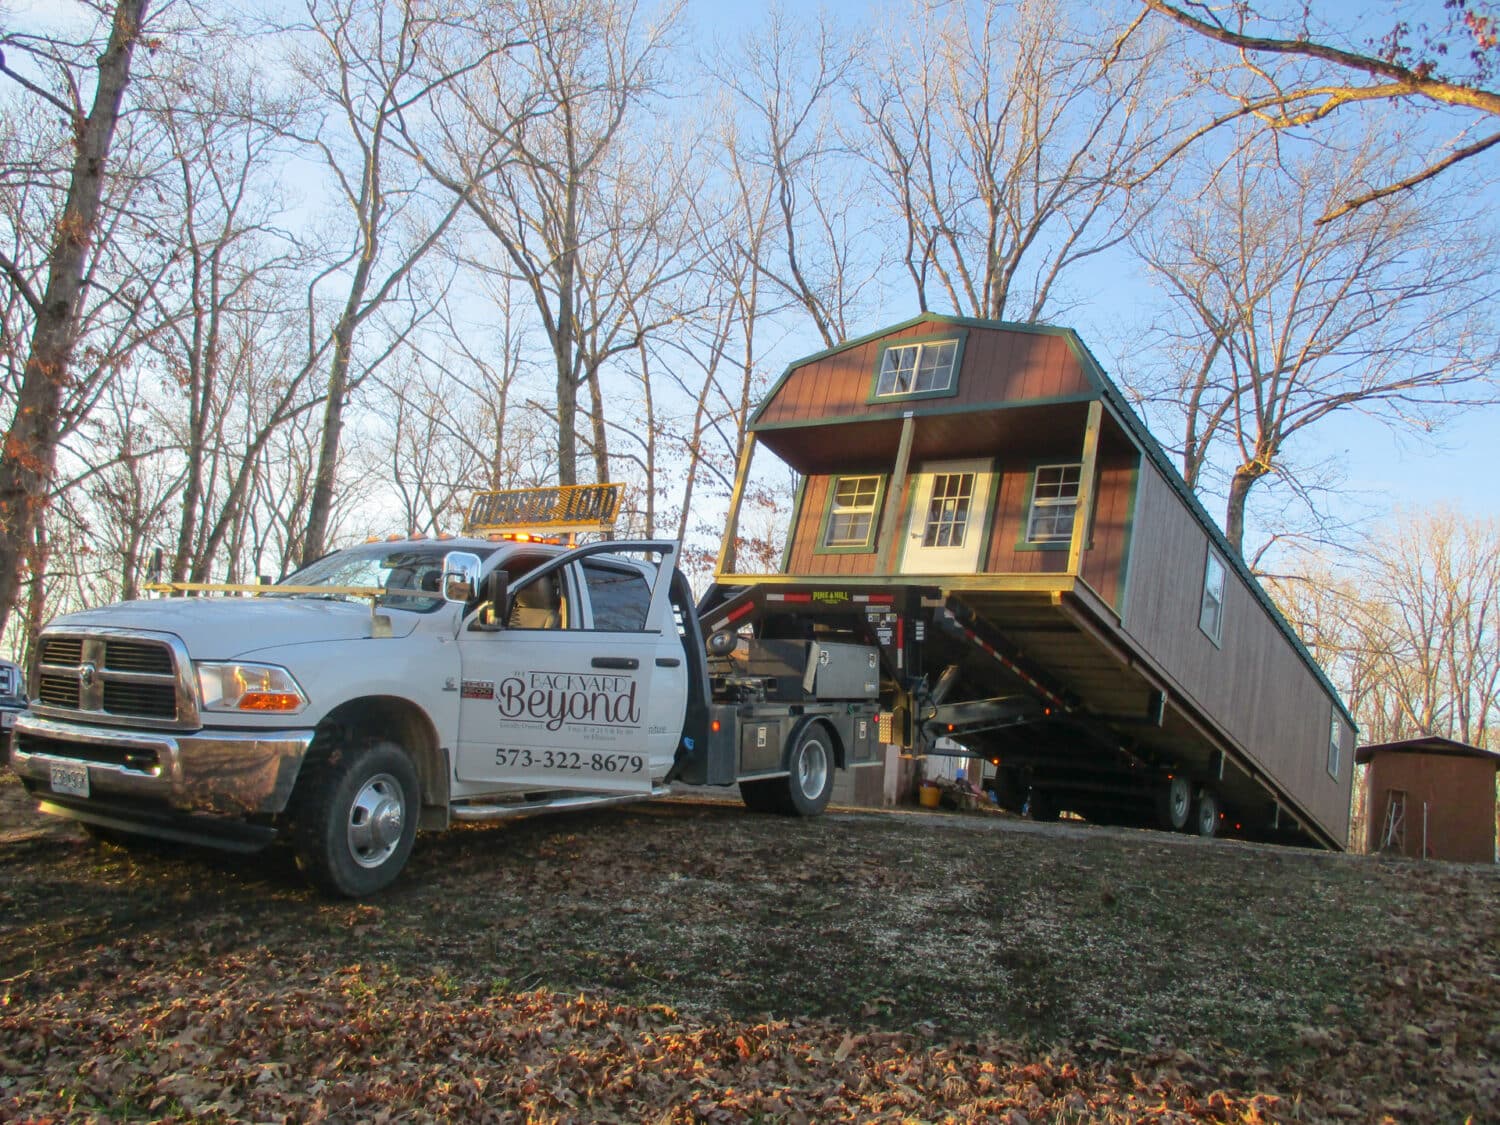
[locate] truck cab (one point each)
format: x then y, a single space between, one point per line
383 687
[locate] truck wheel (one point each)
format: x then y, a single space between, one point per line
810 765
357 818
1208 814
1177 804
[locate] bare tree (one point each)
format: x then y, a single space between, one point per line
1282 323
532 144
368 66
1010 147
1296 71
781 145
1411 628
28 456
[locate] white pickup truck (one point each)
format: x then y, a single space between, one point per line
415 683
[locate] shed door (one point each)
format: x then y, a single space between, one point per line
949 518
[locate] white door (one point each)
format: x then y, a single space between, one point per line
949 518
551 703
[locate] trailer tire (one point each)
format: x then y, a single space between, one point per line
355 818
810 763
1041 807
1206 820
1177 804
768 796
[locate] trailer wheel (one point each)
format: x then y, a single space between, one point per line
1208 814
1177 803
769 796
810 765
356 819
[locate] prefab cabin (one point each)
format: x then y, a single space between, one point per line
992 470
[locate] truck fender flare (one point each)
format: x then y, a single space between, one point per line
835 740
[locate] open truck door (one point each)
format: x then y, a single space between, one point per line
580 682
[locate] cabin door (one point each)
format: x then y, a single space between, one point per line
949 518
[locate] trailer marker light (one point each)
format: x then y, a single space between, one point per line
714 726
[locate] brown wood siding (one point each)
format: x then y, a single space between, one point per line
1255 684
999 365
1460 797
802 559
1104 559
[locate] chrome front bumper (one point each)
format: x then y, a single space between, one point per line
223 773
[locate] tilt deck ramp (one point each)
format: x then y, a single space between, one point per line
1041 682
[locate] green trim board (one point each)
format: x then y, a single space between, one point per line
924 412
1129 544
869 545
791 531
957 338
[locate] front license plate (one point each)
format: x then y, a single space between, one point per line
70 779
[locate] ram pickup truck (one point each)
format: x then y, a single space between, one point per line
413 684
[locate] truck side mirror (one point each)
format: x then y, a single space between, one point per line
460 576
497 593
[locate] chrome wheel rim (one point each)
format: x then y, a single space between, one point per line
376 819
812 769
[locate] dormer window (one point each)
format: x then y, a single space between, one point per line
926 368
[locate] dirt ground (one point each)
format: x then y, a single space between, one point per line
686 960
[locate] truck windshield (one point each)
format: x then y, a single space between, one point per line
412 572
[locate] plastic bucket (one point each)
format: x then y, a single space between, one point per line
929 796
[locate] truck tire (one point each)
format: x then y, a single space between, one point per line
1177 804
768 796
356 818
810 769
1206 820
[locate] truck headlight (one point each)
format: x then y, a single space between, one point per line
248 687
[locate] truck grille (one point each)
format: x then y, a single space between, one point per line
107 674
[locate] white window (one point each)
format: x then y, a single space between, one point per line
912 369
1335 742
1054 503
851 513
948 510
1211 612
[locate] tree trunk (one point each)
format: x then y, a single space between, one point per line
29 455
321 503
1239 492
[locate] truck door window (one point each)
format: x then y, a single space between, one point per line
539 604
620 598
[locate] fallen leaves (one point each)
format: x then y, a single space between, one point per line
694 964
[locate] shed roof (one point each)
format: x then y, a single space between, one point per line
1432 745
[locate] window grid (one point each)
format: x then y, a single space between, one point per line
911 369
948 510
851 519
1054 503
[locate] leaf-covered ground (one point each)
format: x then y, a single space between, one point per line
686 961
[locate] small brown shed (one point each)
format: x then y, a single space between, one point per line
1433 790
